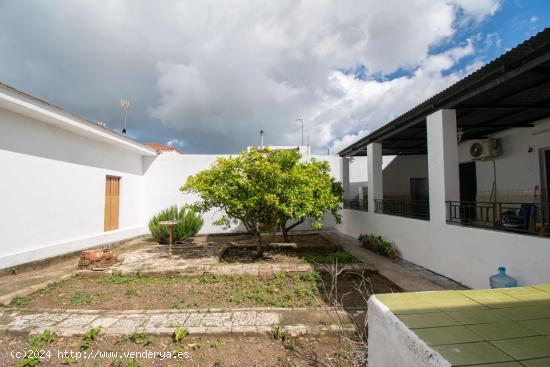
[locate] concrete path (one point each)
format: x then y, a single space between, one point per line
163 322
408 278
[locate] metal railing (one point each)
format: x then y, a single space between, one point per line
355 204
527 218
419 209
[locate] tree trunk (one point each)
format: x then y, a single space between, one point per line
259 246
284 230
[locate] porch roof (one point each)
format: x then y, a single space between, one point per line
510 91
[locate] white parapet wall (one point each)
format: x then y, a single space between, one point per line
392 343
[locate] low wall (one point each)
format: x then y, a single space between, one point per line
392 343
467 255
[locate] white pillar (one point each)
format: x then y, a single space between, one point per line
344 174
374 161
442 162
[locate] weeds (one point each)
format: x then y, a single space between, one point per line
31 357
20 301
89 337
83 298
180 333
39 341
329 258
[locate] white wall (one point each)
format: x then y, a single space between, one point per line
517 170
399 171
165 174
53 190
392 343
466 254
163 177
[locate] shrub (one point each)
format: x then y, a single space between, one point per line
378 244
191 224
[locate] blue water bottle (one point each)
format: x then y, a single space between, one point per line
502 280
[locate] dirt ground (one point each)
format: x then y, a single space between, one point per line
192 351
124 292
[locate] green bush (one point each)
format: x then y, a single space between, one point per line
378 244
191 224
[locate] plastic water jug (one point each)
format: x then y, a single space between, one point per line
502 280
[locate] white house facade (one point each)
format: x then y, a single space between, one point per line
468 189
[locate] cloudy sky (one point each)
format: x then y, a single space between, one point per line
206 76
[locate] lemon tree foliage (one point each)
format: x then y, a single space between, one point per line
266 190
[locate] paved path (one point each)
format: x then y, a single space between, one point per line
235 321
406 277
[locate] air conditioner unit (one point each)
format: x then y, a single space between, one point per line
484 149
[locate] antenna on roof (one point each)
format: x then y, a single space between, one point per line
124 105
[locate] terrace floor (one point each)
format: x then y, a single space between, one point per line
480 327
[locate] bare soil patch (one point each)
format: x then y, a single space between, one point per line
201 351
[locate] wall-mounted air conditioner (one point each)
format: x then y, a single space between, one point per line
484 149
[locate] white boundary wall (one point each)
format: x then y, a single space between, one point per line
53 190
166 173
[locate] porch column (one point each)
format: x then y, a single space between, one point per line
442 162
374 161
344 174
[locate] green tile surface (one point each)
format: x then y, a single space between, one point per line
501 364
447 335
540 311
502 330
544 287
492 298
525 348
542 326
425 320
398 307
479 316
472 353
507 327
540 362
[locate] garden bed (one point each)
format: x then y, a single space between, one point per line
138 292
261 350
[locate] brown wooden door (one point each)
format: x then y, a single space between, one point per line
112 199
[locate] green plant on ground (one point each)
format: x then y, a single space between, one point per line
20 301
32 354
280 334
130 292
89 337
55 285
83 298
215 344
115 278
329 258
207 278
139 337
190 226
378 244
179 333
38 341
119 362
